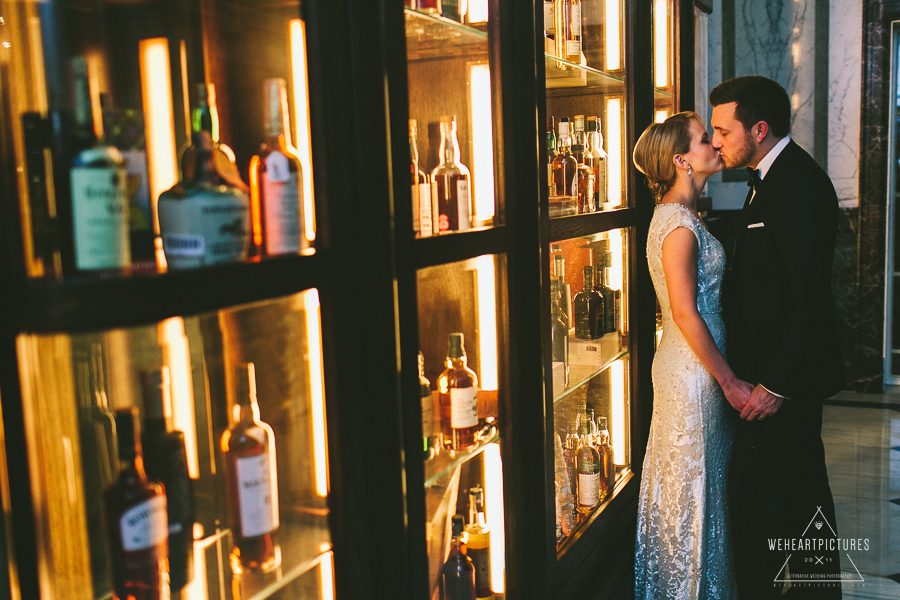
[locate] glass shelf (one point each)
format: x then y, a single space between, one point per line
579 374
583 76
447 461
432 36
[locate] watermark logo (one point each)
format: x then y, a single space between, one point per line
812 559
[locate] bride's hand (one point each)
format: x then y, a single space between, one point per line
737 392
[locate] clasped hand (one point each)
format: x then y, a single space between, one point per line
752 402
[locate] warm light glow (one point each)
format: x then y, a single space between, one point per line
614 146
661 115
617 269
661 43
255 207
159 116
613 55
96 83
37 75
617 393
185 91
176 355
300 90
482 141
326 576
478 11
316 389
197 588
493 500
487 321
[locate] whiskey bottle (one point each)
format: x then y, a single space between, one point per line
588 310
565 293
608 472
549 28
570 454
276 181
423 224
551 151
203 222
588 469
458 571
137 524
565 167
585 173
478 544
451 183
99 192
598 160
205 134
428 444
610 321
166 461
251 481
567 26
565 501
458 387
559 331
430 6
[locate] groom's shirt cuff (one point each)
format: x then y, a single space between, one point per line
771 392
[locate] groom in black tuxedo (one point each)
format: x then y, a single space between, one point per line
782 338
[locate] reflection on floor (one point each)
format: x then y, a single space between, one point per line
862 449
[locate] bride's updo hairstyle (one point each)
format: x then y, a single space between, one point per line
658 144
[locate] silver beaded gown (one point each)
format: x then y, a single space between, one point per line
683 547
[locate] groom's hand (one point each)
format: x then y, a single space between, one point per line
762 404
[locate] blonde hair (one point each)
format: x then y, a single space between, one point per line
658 144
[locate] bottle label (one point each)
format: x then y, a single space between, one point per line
415 204
281 207
463 407
145 525
257 495
481 560
427 413
184 244
600 181
426 223
573 48
462 200
100 218
549 23
576 24
589 487
278 168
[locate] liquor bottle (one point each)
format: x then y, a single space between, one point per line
549 28
205 134
599 160
608 477
602 266
588 310
565 167
478 544
450 183
570 453
565 500
38 140
458 571
458 387
565 291
567 25
428 443
423 223
551 153
559 331
99 189
137 524
588 460
203 222
430 6
251 481
166 461
585 173
276 181
450 9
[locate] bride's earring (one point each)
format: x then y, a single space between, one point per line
690 171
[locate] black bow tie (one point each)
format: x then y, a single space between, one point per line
755 179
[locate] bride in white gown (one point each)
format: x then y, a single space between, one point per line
683 548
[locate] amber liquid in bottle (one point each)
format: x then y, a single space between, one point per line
251 482
478 544
458 387
589 472
585 172
451 183
137 524
565 167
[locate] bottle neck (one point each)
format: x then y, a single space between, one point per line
565 143
449 146
85 136
588 280
247 411
456 362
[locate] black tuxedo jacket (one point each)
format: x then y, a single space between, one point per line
778 304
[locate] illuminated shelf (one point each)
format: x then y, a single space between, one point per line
624 477
564 228
563 76
579 374
446 462
433 36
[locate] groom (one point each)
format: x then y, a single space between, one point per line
782 338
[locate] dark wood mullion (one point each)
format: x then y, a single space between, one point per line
684 54
565 228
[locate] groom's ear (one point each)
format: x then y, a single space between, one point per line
760 131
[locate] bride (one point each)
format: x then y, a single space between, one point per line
683 547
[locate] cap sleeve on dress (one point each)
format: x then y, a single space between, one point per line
677 216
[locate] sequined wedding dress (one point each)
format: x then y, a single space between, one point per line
683 548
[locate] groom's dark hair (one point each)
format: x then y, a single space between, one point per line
758 99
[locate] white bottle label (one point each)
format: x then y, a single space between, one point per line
145 525
462 203
576 23
427 416
600 180
573 50
278 168
257 495
589 489
281 207
549 23
463 407
415 205
184 244
426 222
100 218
